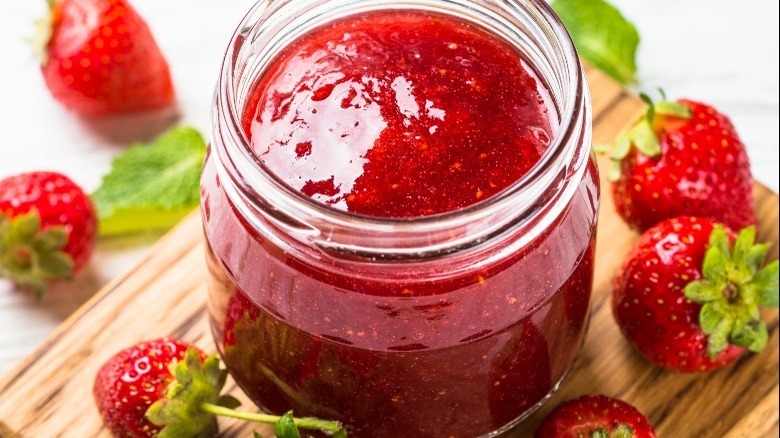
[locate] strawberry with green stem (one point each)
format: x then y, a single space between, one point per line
681 158
48 227
167 388
688 299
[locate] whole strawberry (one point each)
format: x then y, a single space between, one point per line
169 388
682 158
132 380
99 57
595 416
47 228
688 299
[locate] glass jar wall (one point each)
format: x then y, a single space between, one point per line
453 324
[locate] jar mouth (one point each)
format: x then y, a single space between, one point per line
272 24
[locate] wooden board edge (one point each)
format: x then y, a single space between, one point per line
19 368
7 432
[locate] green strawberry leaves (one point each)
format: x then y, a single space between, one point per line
765 286
192 403
642 135
152 187
622 430
30 256
602 36
733 288
196 382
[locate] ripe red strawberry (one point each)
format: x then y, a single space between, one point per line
100 58
47 228
167 387
688 299
682 158
595 416
134 379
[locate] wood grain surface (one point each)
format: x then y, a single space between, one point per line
49 393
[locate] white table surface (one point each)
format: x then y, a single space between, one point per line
719 51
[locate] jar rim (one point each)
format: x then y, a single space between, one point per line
252 178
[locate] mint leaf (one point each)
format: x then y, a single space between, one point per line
602 36
286 428
228 401
151 187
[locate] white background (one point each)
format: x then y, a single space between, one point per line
720 51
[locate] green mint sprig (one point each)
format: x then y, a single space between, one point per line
152 187
602 35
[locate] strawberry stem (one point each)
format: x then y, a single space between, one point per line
192 403
643 136
328 427
731 292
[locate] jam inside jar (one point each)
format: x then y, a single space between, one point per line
400 205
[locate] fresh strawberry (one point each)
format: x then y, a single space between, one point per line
682 158
47 228
99 57
595 416
167 387
688 299
134 379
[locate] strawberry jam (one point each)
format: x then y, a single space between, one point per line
397 115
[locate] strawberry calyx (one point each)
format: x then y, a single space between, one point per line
622 430
644 135
732 289
192 403
44 29
195 382
29 255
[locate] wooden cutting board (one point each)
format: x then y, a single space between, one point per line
49 393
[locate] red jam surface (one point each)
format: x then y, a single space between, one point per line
399 114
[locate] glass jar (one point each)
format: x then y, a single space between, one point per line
457 324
